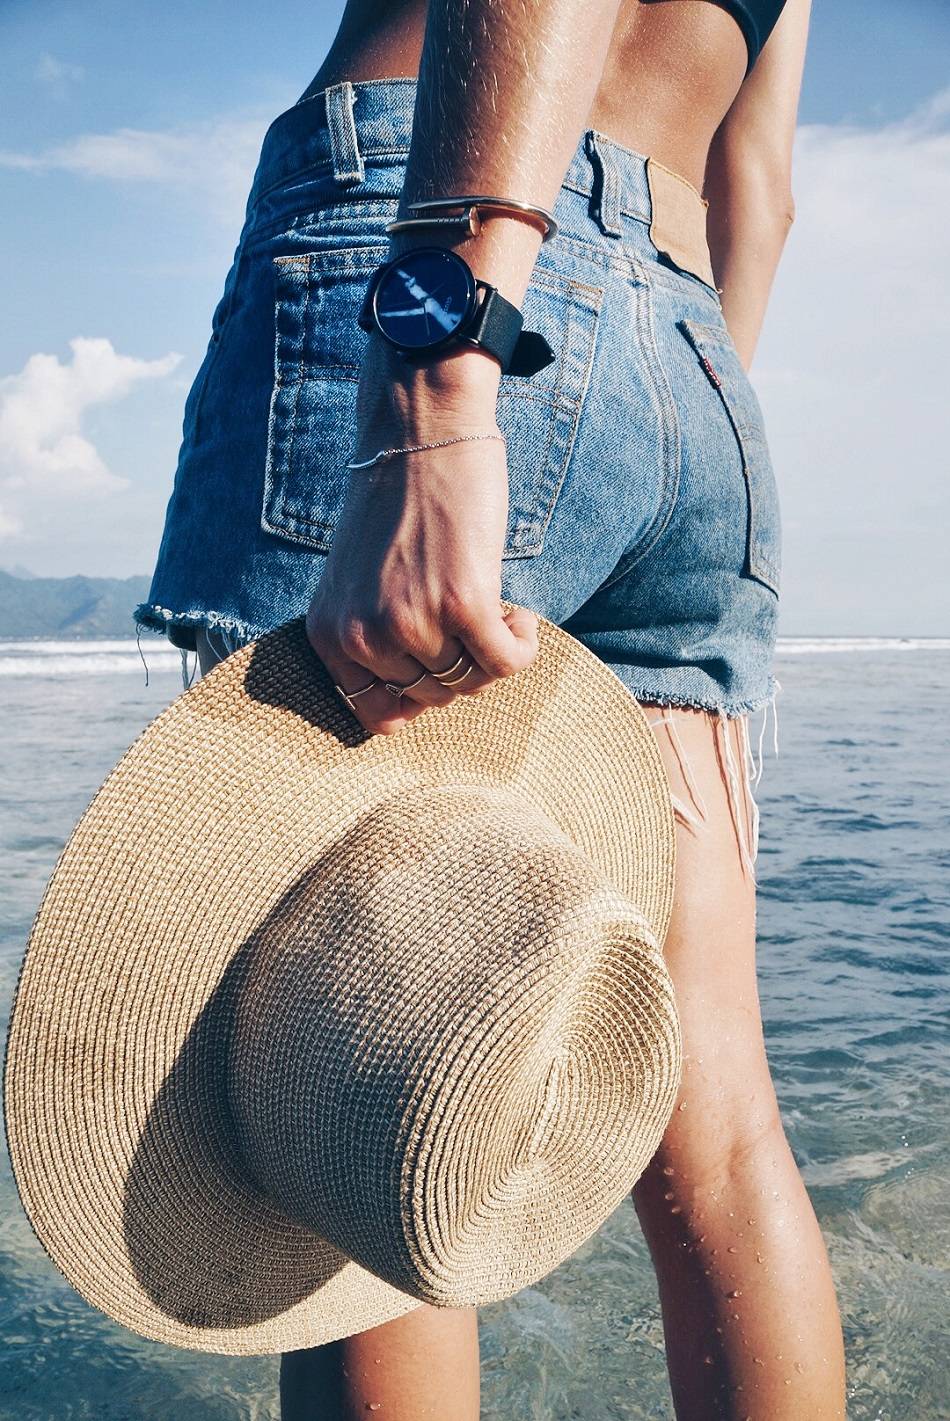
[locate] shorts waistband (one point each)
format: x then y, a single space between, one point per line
340 130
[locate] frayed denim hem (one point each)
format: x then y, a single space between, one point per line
232 633
741 768
158 619
730 709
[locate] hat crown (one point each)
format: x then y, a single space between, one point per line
418 1057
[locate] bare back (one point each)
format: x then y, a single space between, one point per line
673 70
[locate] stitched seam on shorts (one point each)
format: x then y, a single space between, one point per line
668 419
562 406
758 563
325 167
624 211
219 341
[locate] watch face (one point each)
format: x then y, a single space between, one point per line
423 298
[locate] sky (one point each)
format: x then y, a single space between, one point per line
128 136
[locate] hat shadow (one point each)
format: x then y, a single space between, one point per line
204 1241
285 671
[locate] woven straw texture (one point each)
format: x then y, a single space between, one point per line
314 1025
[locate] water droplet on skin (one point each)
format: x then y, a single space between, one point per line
750 1221
758 1258
732 1249
669 1170
788 1381
731 1214
669 1194
735 1317
373 1405
676 1209
736 1293
758 1361
708 1361
683 1107
799 1367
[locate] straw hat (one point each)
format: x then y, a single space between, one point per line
314 1025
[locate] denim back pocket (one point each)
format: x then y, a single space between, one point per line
725 372
318 349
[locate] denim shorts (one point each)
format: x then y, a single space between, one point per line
643 515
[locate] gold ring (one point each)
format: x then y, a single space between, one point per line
348 696
449 670
456 679
396 690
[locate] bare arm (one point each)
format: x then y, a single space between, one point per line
504 90
413 580
749 182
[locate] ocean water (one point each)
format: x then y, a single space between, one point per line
853 965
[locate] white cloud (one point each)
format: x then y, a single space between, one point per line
44 455
57 74
212 161
852 374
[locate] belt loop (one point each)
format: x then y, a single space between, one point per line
344 145
605 194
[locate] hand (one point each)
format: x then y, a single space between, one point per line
413 579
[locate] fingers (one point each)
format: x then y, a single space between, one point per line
393 674
502 643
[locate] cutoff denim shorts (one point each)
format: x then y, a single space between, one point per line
644 515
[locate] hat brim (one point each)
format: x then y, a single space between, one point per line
116 1104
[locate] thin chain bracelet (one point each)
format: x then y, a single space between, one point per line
384 455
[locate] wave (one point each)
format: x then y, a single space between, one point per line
122 656
815 645
86 657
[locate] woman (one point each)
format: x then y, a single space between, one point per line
633 502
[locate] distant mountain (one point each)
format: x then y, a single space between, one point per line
69 606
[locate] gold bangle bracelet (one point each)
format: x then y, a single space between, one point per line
429 213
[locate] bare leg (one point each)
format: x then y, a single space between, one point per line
749 1309
423 1364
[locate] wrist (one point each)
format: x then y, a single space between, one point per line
503 253
403 401
457 382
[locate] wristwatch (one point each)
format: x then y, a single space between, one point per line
428 299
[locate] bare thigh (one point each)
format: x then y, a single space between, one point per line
711 944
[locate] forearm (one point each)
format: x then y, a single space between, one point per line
749 219
503 95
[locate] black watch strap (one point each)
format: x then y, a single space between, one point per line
498 327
